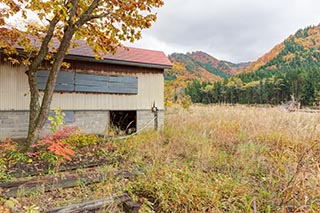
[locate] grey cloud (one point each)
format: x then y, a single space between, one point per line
235 30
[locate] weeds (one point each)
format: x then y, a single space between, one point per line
218 159
81 140
221 159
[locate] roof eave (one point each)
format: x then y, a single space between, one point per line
118 62
111 61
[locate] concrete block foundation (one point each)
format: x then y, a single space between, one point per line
14 124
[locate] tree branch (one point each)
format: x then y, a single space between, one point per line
97 16
73 11
86 15
45 44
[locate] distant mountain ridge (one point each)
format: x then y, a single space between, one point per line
210 62
300 49
290 69
205 67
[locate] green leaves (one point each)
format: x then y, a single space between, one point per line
56 120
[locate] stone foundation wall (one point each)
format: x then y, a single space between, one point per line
14 124
91 121
146 119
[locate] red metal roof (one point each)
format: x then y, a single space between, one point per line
128 55
131 55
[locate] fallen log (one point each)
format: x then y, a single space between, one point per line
23 169
49 183
92 206
305 110
309 110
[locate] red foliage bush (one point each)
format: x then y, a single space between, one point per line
54 142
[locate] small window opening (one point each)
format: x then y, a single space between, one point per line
123 122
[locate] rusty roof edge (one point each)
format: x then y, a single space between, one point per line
111 61
118 62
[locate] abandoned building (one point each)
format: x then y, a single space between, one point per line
123 91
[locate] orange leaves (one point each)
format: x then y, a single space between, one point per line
13 5
7 144
9 35
55 145
2 22
62 150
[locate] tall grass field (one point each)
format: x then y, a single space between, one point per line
217 159
230 159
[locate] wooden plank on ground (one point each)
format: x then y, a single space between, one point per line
51 182
68 166
94 205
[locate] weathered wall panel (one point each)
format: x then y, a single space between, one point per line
14 90
65 80
14 93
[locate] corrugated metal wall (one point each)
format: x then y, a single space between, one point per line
13 88
14 94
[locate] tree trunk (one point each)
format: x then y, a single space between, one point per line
32 79
41 113
34 106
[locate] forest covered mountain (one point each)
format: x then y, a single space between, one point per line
205 67
290 69
195 66
300 49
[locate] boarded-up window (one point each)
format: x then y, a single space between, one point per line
65 81
78 82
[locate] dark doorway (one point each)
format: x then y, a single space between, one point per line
123 122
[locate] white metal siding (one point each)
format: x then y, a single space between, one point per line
14 94
13 88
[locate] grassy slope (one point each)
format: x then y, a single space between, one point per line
217 159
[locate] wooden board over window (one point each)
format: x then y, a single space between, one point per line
79 82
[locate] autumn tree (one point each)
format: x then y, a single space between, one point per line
47 29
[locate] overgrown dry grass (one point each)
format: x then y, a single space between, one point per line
225 159
220 159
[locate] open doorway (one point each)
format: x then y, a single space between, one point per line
123 122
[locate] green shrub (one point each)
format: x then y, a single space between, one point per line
56 119
186 102
81 140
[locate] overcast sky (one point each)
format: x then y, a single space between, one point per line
233 30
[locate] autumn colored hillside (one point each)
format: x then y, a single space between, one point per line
213 64
195 66
203 67
289 72
290 69
300 49
186 68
